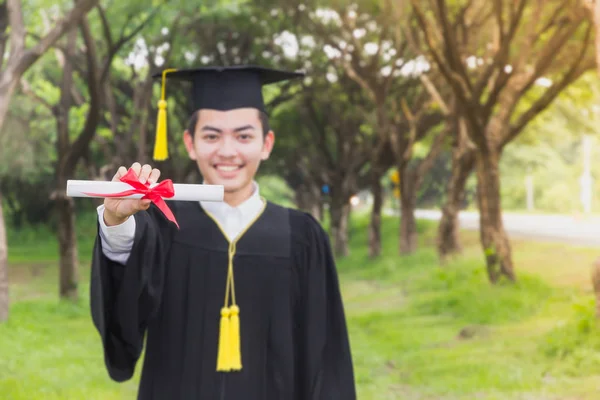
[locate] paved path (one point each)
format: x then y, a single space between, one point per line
562 228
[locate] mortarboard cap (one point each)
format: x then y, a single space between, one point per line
218 88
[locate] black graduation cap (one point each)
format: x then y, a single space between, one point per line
219 88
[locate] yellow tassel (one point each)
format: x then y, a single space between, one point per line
161 151
160 146
234 339
223 358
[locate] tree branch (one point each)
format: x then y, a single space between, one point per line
105 26
91 122
27 90
501 57
26 59
434 151
320 128
572 74
460 88
123 39
3 27
451 48
64 103
499 20
17 29
433 92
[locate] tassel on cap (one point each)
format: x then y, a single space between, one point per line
161 151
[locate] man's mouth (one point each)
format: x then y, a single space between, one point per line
228 168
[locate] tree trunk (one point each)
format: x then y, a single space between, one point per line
67 241
448 240
303 198
408 222
596 13
494 239
7 86
317 211
375 225
596 284
65 213
316 203
307 198
19 61
300 198
339 213
4 298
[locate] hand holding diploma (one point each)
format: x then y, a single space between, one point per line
116 211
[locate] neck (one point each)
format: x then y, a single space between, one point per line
237 197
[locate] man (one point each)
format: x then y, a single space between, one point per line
241 301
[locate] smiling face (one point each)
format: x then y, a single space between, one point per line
228 147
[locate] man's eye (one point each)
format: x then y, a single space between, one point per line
245 136
210 137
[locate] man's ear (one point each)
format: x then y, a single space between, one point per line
268 144
188 140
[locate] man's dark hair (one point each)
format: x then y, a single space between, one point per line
264 121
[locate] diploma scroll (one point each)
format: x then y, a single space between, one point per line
181 192
130 187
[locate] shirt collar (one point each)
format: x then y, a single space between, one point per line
247 207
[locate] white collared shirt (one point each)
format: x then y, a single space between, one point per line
234 220
117 240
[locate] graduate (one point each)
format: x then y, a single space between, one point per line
241 300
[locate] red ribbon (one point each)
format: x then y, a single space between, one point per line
155 194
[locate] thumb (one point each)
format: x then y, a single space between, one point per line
144 204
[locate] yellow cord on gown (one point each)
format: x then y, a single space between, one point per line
229 357
229 354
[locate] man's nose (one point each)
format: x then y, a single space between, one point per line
227 147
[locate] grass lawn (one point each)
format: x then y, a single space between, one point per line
418 331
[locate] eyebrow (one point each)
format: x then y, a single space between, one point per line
214 129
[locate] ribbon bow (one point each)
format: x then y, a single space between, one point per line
155 194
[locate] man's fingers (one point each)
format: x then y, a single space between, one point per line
120 172
154 175
145 173
137 167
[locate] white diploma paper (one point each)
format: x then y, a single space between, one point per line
183 192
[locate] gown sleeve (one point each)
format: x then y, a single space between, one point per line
123 298
325 367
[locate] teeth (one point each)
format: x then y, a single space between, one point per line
227 168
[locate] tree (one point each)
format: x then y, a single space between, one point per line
412 170
594 7
463 162
18 60
366 44
70 148
334 145
493 60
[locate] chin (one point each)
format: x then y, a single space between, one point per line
230 187
228 184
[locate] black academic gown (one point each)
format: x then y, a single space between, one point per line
294 340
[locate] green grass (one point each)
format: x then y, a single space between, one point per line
39 244
418 330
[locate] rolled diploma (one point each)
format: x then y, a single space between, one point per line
183 192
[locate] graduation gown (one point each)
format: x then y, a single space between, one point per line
294 342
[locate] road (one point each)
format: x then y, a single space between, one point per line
562 228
